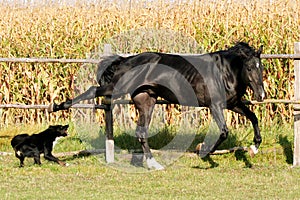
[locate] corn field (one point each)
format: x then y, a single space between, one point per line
81 30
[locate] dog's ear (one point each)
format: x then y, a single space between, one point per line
52 127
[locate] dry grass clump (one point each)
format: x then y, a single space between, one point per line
80 30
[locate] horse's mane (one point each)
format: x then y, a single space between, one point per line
107 68
242 49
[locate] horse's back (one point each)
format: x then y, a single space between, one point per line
173 77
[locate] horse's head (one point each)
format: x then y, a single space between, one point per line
252 74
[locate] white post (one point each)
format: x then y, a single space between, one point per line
109 143
296 161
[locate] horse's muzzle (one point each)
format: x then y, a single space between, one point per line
260 94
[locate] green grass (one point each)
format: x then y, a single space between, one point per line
231 176
91 178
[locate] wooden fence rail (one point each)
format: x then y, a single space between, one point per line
96 61
103 105
108 109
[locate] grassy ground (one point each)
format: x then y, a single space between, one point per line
232 176
89 178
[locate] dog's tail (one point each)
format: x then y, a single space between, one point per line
107 68
17 148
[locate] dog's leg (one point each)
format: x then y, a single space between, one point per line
21 158
50 157
37 158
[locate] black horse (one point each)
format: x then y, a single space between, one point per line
216 80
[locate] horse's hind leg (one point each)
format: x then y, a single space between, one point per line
145 104
91 93
218 116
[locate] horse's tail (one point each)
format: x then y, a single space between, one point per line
107 68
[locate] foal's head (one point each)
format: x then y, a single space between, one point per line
252 70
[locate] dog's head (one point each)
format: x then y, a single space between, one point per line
60 130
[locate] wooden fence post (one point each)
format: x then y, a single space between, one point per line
296 161
109 143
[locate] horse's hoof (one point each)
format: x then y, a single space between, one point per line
50 108
153 164
201 151
253 151
198 148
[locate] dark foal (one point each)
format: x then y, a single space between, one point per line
215 80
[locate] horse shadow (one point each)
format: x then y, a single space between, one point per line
287 148
231 141
126 140
239 155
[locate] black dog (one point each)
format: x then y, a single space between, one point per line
33 145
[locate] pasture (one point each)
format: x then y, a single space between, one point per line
80 31
232 176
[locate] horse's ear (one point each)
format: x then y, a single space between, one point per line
242 53
260 50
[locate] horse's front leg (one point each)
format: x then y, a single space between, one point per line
91 93
242 109
217 113
145 104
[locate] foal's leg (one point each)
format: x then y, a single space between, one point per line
218 116
242 109
145 104
91 93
